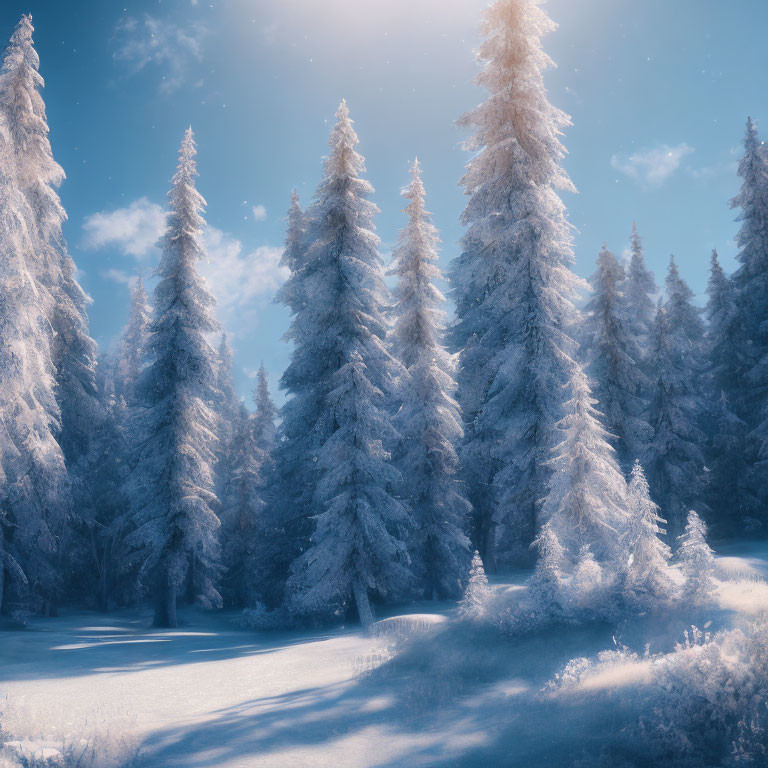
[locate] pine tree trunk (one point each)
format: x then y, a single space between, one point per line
487 544
172 620
161 608
165 603
363 604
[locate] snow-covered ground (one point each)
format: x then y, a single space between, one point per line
211 694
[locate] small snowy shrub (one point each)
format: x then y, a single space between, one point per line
477 596
261 618
27 743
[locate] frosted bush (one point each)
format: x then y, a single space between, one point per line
27 743
705 703
261 618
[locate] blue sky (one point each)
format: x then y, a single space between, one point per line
659 92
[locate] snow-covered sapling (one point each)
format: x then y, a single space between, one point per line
697 562
477 596
648 575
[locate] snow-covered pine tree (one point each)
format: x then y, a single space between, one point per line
639 288
264 428
697 562
474 605
242 506
227 409
512 284
751 288
674 460
108 518
171 486
586 506
647 576
295 245
133 344
729 492
36 491
342 368
428 419
285 524
37 175
230 402
613 357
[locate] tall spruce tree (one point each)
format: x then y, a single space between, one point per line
285 524
171 486
40 329
674 460
37 175
342 368
729 495
639 287
751 288
35 488
264 428
512 285
242 506
613 361
428 419
133 344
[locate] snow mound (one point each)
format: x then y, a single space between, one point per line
747 597
403 627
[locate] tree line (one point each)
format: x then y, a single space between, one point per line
407 440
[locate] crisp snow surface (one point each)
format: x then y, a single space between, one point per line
212 695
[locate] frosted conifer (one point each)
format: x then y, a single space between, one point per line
613 361
674 460
428 419
697 562
171 487
133 345
344 375
647 571
513 287
750 283
474 604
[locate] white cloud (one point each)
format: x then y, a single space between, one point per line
133 230
259 213
652 166
169 47
241 280
119 276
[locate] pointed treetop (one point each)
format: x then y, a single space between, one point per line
225 350
717 273
343 160
751 129
188 153
21 47
677 287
